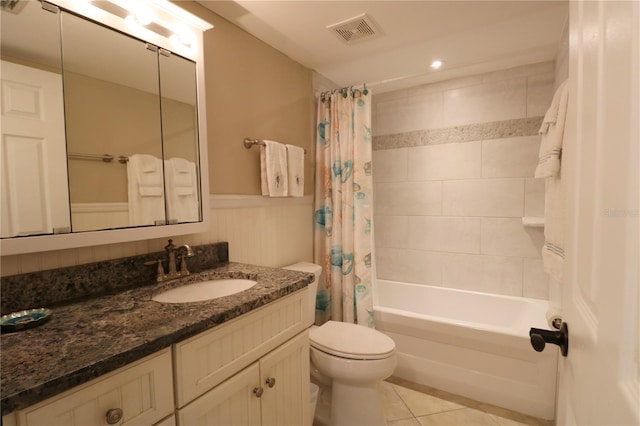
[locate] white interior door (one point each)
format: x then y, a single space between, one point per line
599 380
33 158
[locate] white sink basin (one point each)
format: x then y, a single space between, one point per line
204 290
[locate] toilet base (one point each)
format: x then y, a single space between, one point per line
356 404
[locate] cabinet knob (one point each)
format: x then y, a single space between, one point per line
114 415
258 391
271 382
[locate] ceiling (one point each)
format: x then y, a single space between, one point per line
469 36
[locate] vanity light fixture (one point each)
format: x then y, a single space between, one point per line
182 35
141 14
436 64
138 14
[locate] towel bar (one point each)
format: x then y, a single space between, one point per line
103 157
248 143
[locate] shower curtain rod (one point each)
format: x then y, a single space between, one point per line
362 86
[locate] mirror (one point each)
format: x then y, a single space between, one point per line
112 106
122 98
180 137
35 197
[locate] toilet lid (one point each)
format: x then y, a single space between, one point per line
351 341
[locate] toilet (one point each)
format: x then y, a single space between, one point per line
352 359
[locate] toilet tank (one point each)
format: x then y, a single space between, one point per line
316 270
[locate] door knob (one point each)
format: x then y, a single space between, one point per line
539 338
114 415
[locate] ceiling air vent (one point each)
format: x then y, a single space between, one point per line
355 29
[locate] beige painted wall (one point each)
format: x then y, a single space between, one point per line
252 91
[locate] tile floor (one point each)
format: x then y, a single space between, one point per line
409 404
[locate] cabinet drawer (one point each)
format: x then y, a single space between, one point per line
207 359
142 390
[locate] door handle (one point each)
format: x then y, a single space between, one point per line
539 338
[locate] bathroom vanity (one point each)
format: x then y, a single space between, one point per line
122 358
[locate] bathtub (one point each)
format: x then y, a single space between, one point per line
471 344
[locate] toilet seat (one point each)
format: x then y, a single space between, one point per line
351 341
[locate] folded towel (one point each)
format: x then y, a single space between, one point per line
552 131
182 174
145 190
553 248
273 168
295 170
182 191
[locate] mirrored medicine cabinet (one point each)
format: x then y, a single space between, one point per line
101 140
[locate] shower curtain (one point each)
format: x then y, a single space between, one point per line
343 207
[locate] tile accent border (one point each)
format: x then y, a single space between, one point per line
45 289
472 132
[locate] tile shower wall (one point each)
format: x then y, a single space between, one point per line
453 177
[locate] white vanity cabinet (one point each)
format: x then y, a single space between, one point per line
253 370
272 391
140 393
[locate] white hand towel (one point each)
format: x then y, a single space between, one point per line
549 167
552 131
273 167
295 170
145 190
182 190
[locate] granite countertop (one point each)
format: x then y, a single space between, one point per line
86 339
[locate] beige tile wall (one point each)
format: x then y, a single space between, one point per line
450 214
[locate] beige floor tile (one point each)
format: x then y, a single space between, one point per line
462 417
393 406
404 422
422 404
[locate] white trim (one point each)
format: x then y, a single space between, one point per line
39 243
244 201
99 207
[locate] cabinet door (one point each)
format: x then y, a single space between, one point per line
205 360
144 393
231 403
284 375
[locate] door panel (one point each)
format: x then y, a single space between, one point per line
599 380
33 160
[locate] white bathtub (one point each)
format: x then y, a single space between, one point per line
471 344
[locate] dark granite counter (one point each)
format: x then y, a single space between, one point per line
87 338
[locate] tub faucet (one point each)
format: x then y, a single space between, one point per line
172 269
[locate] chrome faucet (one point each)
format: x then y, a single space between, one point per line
173 271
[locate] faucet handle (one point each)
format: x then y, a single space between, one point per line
160 271
183 266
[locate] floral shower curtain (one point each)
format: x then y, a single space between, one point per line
343 207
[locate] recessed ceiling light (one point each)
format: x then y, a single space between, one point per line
436 64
